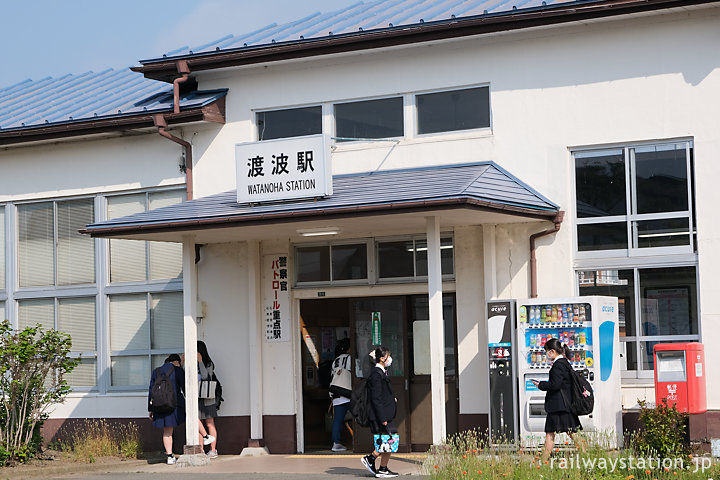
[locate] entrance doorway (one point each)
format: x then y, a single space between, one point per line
404 324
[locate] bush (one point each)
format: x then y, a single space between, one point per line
33 364
664 432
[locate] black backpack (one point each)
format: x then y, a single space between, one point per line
218 392
582 397
325 373
162 397
360 404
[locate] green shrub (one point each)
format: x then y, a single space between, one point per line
664 432
33 364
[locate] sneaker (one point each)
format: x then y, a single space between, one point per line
208 439
171 460
212 454
369 462
338 447
384 472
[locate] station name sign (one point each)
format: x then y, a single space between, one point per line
283 169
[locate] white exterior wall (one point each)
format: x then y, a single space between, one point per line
87 167
607 82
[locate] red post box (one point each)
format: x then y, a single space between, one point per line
680 376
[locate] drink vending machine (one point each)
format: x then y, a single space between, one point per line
502 370
589 326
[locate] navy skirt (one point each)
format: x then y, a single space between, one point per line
562 422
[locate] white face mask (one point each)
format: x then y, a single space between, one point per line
388 362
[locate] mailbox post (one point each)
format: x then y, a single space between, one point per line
680 376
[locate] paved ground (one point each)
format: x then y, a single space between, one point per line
269 467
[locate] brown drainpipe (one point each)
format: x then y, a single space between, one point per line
533 262
161 123
184 69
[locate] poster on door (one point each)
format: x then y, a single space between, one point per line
277 298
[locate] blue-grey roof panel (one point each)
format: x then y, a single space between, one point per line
89 96
486 183
368 16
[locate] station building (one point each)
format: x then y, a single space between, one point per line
143 209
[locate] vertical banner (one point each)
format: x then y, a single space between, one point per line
276 298
376 338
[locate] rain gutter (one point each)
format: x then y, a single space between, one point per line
533 262
161 124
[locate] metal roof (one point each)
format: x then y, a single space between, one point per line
485 185
370 16
89 96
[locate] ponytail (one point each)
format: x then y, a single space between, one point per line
558 346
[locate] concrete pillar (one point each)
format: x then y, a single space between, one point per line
192 432
255 340
489 262
437 331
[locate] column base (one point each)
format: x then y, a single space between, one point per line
256 447
193 460
192 449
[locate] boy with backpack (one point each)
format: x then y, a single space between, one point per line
166 401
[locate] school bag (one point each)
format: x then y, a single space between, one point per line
360 404
218 391
162 396
582 397
325 373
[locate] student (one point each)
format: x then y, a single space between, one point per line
207 406
340 404
168 421
559 418
382 412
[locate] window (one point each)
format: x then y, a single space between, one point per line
74 316
291 122
455 110
635 199
138 260
144 329
50 249
2 249
381 118
331 263
408 258
655 305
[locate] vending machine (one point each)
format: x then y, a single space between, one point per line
589 326
502 370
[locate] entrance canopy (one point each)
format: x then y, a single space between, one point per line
382 200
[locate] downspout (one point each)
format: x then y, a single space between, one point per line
184 69
161 123
533 262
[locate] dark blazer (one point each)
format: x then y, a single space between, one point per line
559 379
382 398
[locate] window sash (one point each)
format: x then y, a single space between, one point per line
2 249
75 251
453 110
36 238
638 336
40 311
76 317
631 217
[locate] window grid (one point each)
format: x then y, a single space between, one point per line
457 118
62 297
631 217
636 341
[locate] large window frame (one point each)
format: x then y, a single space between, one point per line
64 300
638 338
418 241
410 117
631 218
